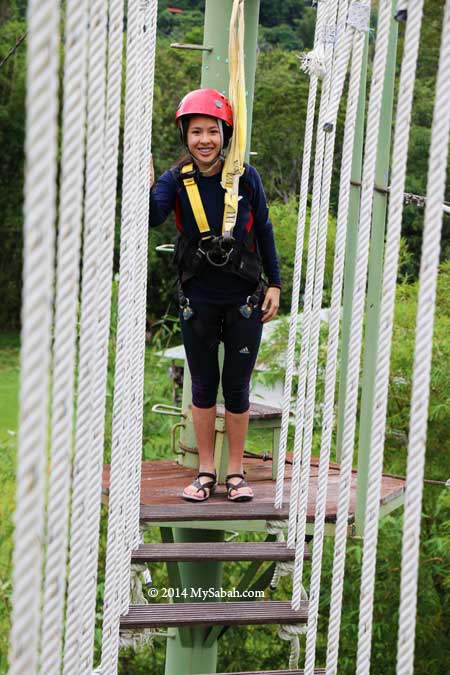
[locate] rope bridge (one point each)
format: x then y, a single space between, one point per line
57 526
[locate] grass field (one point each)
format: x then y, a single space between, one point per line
9 406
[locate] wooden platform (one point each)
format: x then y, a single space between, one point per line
163 482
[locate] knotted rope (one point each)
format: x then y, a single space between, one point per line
39 217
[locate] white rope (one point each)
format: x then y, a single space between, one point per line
332 350
89 303
291 633
39 216
282 568
104 283
310 271
137 638
122 403
297 276
140 293
394 224
342 54
422 358
359 15
67 285
373 123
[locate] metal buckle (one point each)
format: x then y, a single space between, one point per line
247 308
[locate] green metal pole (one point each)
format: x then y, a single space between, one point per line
350 247
191 657
375 278
195 657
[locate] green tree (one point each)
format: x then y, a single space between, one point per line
12 126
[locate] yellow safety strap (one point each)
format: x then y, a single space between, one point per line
233 167
194 199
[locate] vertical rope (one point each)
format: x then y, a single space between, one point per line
39 215
89 305
310 272
373 123
342 55
104 283
297 277
422 358
121 441
69 235
399 161
332 350
149 16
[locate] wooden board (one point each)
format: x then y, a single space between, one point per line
166 615
201 551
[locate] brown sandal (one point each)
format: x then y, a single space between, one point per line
207 488
237 486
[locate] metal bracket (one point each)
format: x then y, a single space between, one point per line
180 45
172 410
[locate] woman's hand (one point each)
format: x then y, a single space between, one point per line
270 304
151 172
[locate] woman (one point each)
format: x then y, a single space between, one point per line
221 293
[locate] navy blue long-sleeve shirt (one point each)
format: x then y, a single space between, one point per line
213 284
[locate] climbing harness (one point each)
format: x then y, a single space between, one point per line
191 255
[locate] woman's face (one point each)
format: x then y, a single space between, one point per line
203 140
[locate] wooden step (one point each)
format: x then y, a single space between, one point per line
274 672
179 614
226 551
213 509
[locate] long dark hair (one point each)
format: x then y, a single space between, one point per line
185 158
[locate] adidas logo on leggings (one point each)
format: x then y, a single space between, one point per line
244 350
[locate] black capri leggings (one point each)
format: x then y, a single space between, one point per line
241 338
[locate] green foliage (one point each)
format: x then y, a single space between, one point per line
279 115
12 124
284 217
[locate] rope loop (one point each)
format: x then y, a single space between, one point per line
136 638
277 527
291 633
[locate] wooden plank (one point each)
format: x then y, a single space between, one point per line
168 615
225 551
320 671
212 509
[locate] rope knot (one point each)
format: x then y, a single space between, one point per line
359 16
291 632
314 62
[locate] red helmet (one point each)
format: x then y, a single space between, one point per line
205 102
